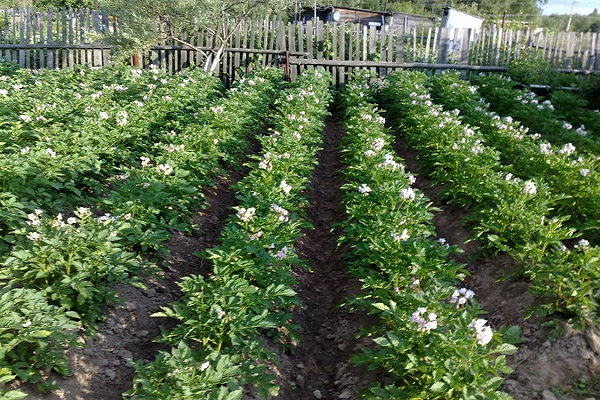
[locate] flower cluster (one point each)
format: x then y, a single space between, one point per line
461 296
425 323
483 333
246 214
364 189
282 213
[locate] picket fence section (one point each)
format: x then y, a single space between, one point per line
67 37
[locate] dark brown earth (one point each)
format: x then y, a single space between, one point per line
319 366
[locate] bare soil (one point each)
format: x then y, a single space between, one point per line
319 366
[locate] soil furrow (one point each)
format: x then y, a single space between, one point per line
319 368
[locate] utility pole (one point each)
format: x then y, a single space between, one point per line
571 14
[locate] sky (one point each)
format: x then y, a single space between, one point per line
583 7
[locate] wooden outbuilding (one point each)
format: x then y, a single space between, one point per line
332 13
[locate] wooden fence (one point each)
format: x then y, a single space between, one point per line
63 38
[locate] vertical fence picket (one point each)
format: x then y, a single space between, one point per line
399 50
342 52
199 44
372 49
594 57
50 60
444 45
245 38
334 28
465 44
273 41
548 40
382 50
390 46
37 37
291 46
578 51
319 39
309 40
301 49
21 28
6 35
252 33
265 41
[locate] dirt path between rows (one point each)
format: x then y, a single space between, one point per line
320 367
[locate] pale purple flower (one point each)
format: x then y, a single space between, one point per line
364 189
33 236
121 118
283 214
484 335
461 296
34 219
164 169
283 185
567 149
529 188
390 162
402 236
246 214
256 235
266 165
408 193
581 131
546 148
424 324
281 254
378 144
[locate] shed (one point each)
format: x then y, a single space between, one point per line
360 16
452 18
407 21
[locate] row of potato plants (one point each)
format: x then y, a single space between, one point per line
561 118
572 176
64 250
230 322
509 214
430 340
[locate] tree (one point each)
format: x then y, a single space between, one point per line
143 23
